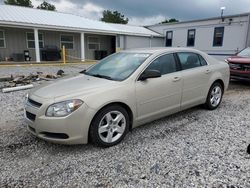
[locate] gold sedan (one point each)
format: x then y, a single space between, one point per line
122 91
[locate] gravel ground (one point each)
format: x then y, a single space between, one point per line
194 148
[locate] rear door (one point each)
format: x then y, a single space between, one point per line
160 96
195 74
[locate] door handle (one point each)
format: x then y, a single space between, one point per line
207 71
175 79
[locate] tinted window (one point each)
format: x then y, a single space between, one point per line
189 60
191 37
202 60
218 36
164 64
169 37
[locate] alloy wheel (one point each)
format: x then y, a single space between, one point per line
112 126
215 96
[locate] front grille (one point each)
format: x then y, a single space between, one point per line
30 116
34 103
241 67
55 135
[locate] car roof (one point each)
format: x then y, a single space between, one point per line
161 50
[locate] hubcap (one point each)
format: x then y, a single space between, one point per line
215 96
112 126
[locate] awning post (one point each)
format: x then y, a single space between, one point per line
37 46
82 47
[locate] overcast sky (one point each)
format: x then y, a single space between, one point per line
146 12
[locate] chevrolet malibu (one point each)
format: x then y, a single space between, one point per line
125 90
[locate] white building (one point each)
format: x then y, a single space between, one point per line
25 29
220 36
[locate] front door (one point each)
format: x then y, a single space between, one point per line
157 97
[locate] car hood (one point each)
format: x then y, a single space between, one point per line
76 85
238 59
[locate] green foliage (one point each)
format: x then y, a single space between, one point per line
24 3
46 6
113 17
170 20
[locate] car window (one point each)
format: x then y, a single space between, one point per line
118 66
189 60
202 60
164 64
245 52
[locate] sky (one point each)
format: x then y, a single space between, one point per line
147 12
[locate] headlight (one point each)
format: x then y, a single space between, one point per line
64 108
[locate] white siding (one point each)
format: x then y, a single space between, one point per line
157 42
142 42
235 34
136 42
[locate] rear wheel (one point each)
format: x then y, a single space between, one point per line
109 126
214 96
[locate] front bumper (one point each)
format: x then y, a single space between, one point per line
240 75
72 129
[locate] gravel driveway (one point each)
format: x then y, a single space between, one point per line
194 148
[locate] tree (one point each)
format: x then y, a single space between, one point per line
24 3
173 20
46 6
170 20
113 17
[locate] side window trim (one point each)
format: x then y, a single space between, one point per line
200 56
177 62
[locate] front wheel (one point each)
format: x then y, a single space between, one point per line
214 96
109 126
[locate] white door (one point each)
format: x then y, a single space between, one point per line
160 96
195 74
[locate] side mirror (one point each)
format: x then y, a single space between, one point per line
149 74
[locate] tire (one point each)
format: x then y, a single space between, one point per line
106 130
214 96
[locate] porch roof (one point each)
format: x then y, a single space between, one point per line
43 19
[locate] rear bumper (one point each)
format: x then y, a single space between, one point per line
240 75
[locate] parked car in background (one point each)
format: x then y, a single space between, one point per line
240 65
123 91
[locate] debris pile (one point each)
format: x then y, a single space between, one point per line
20 82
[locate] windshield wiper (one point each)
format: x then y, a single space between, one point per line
83 71
101 76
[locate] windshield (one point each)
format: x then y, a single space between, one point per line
118 66
245 53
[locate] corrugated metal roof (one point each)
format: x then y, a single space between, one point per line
16 15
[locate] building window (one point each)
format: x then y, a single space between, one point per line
218 36
31 40
67 41
2 39
93 43
191 37
169 38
